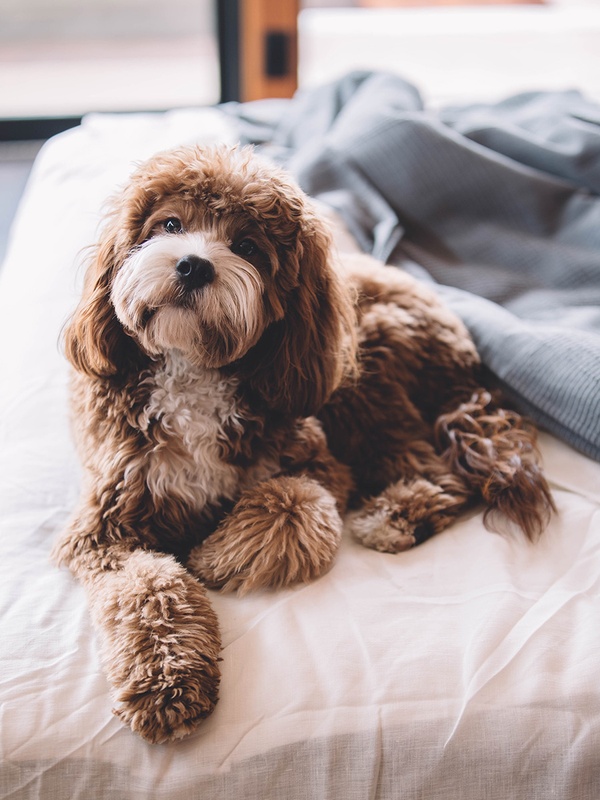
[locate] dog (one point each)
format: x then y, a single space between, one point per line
237 393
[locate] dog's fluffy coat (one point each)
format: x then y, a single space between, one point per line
235 392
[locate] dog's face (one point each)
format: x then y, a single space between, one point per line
205 278
216 254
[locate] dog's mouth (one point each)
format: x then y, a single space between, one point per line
187 299
183 300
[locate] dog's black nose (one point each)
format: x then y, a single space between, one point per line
195 272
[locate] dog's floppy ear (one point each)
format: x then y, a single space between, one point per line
94 340
304 356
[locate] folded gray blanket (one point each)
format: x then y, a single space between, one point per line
497 204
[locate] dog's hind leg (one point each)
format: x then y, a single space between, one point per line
411 509
482 453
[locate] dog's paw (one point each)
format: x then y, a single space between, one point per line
382 528
403 515
160 645
169 713
283 531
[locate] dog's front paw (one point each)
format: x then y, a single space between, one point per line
172 712
160 644
283 531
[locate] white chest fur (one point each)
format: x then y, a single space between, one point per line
190 409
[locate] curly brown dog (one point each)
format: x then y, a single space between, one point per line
235 391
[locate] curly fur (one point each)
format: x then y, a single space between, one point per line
229 415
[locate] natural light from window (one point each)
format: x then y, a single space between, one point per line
68 57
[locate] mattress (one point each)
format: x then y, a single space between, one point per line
465 668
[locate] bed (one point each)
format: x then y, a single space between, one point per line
465 668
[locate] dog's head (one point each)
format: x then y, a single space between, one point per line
217 254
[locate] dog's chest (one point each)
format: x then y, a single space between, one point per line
190 412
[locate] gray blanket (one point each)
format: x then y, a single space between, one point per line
497 204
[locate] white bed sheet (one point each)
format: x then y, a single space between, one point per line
466 668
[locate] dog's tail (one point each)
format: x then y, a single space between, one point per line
494 451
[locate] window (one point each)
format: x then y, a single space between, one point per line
68 57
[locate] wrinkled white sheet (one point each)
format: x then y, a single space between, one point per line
467 667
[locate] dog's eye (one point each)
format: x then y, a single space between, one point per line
245 248
173 225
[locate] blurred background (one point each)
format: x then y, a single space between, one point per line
68 57
60 59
